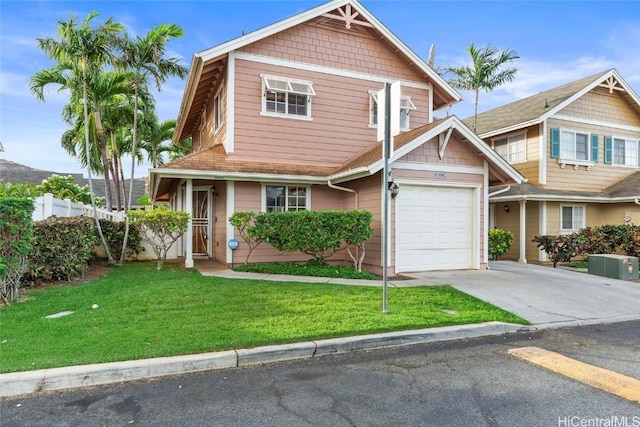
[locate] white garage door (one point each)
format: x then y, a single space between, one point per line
434 228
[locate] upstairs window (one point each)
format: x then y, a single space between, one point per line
512 148
625 152
406 106
287 97
574 145
282 198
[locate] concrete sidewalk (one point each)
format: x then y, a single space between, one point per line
547 297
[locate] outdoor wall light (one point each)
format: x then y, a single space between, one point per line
214 190
395 189
506 208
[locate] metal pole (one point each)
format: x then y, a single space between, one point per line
385 222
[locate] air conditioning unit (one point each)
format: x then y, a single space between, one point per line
614 266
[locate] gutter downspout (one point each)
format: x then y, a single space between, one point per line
350 190
637 201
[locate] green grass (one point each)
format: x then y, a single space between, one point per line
307 270
144 313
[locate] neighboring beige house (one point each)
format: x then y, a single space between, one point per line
577 145
285 118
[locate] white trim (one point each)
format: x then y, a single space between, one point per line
572 160
235 176
188 259
373 99
487 213
523 231
308 95
327 70
565 198
613 151
475 229
435 183
512 128
478 170
231 95
430 103
543 147
286 116
231 207
187 97
542 228
597 123
263 191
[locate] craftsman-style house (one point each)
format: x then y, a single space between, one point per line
577 146
285 118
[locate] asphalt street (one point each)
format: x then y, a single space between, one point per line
470 382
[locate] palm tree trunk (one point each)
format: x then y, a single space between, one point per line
88 149
475 111
102 144
113 169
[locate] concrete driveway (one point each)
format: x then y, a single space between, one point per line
544 295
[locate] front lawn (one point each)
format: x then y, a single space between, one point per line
144 313
307 270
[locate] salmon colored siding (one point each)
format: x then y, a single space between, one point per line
370 198
337 48
456 153
220 221
339 125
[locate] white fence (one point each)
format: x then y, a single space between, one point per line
47 205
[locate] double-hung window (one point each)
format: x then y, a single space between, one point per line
406 106
574 145
281 198
625 152
512 148
286 97
572 218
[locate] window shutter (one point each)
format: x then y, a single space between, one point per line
608 150
555 143
594 147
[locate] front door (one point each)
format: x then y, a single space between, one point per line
200 220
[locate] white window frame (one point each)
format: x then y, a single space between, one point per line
627 142
286 186
288 86
573 157
510 154
218 109
406 106
575 227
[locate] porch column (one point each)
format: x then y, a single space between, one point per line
523 231
188 260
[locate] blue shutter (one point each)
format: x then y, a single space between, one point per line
555 143
608 150
594 147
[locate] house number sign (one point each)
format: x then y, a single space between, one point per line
439 174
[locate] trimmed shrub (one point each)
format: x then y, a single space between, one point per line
160 228
316 233
500 242
114 235
559 248
62 248
16 236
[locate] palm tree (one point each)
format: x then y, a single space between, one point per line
156 136
84 48
486 73
180 149
144 57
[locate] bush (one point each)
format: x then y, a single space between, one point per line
499 242
244 222
160 228
559 248
316 233
16 236
62 248
114 235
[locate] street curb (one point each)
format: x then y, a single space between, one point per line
45 380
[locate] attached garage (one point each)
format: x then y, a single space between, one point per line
435 227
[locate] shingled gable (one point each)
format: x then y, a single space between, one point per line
207 66
537 108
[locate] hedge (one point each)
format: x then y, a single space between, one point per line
16 236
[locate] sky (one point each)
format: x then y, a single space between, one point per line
557 42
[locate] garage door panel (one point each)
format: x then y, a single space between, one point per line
435 228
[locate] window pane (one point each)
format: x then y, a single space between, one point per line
567 218
297 198
581 146
517 148
631 153
567 145
297 104
618 151
578 217
404 118
275 198
502 148
374 111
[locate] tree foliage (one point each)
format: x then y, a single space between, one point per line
16 237
486 72
500 242
244 222
160 228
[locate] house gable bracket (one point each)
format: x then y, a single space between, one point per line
612 84
349 16
443 140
